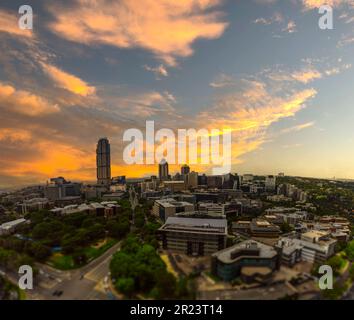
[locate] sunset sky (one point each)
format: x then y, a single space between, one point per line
94 68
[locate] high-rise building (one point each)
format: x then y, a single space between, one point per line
103 160
270 183
192 179
163 170
185 169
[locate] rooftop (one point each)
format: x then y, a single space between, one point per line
198 225
246 248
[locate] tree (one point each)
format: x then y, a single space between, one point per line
336 263
166 286
95 232
350 251
37 250
351 272
118 229
126 286
142 263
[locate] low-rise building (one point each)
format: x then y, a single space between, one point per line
174 186
229 263
31 205
317 246
10 227
104 209
291 251
242 227
263 229
212 209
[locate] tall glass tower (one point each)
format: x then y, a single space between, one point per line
103 161
163 170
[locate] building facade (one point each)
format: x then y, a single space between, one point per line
163 170
194 236
229 263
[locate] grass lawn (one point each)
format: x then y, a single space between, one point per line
22 294
62 262
66 262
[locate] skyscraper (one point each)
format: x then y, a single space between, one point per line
103 161
185 169
163 170
270 183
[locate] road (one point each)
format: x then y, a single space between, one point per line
87 283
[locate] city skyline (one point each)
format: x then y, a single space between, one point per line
262 68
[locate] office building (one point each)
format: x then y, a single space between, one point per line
185 169
32 205
211 209
59 189
250 259
317 246
169 207
256 228
290 251
163 170
263 229
174 186
103 162
270 183
194 236
192 179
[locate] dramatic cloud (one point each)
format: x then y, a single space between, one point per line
167 28
68 81
250 111
12 135
306 76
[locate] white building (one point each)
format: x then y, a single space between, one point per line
317 246
9 227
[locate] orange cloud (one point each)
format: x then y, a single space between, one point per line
8 134
68 81
24 102
306 76
53 159
250 112
167 28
